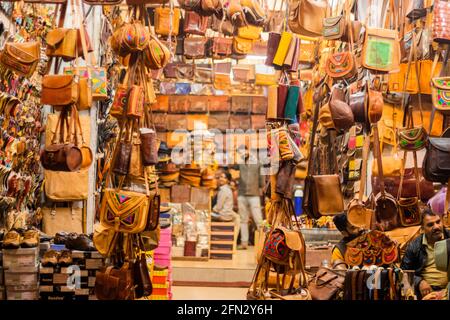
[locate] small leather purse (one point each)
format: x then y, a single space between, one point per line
135 103
59 90
149 146
21 58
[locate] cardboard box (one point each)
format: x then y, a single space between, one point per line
13 258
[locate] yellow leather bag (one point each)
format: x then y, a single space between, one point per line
62 43
391 163
397 80
283 47
250 32
242 45
263 79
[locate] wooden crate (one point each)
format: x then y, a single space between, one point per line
13 258
222 242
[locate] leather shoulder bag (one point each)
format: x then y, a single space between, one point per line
21 58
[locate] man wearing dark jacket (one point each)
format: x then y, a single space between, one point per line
419 256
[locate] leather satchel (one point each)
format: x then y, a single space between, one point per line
21 58
222 47
436 163
149 147
341 112
334 27
381 50
441 27
163 24
62 219
326 283
242 104
306 17
115 284
194 48
341 65
195 23
59 90
392 183
157 54
62 43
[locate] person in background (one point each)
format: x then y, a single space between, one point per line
223 208
348 231
251 184
420 257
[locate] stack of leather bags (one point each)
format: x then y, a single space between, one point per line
209 178
191 175
169 174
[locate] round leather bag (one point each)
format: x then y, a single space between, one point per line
74 157
386 211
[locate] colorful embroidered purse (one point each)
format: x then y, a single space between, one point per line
412 139
440 92
282 245
373 248
98 80
341 65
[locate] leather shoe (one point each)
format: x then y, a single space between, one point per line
30 239
65 258
79 242
60 238
50 258
12 240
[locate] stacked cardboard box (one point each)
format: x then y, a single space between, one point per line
21 273
74 282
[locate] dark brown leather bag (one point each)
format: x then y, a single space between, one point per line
241 104
195 48
170 70
436 163
222 47
358 106
219 121
122 159
195 23
286 178
142 280
149 148
62 154
341 113
115 284
386 209
272 47
326 283
391 185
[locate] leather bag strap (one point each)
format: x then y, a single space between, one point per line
377 152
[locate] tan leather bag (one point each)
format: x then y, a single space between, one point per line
306 17
58 219
59 90
22 58
62 43
56 182
163 23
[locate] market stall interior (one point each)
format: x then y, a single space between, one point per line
224 149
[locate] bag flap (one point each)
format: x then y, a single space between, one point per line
340 58
293 240
57 81
442 144
27 52
122 203
383 33
412 135
55 36
442 83
331 21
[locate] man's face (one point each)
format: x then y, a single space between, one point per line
222 179
432 227
243 152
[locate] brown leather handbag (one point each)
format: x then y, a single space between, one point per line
195 23
194 48
341 65
62 154
334 27
122 154
141 274
341 113
21 58
386 209
322 195
241 104
222 47
115 284
374 105
59 90
358 214
62 43
357 102
306 17
164 23
326 283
